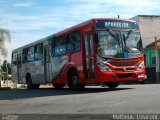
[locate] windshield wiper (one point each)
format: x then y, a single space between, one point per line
128 35
114 35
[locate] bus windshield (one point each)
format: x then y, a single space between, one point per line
116 44
132 44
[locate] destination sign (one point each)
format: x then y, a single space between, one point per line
119 24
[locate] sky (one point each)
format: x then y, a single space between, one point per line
31 20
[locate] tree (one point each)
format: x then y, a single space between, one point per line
4 37
6 67
5 70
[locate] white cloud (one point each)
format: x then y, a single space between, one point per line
127 8
27 4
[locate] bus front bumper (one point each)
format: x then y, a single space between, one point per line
104 77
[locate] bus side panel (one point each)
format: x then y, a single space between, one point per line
73 61
36 71
14 76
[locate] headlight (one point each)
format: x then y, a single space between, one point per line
141 66
104 67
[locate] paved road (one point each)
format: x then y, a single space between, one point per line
125 99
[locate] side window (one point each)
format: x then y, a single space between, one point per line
73 44
77 42
14 59
25 53
60 46
70 44
28 55
38 52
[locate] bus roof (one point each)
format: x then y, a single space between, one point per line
73 28
91 21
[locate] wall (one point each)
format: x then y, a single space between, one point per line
149 27
150 57
150 62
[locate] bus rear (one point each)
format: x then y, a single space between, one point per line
119 52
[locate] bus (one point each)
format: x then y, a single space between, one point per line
102 51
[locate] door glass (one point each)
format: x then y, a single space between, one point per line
91 45
19 61
92 70
48 65
89 51
86 45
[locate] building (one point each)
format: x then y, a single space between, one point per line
150 62
150 30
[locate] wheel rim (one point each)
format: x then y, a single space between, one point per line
74 80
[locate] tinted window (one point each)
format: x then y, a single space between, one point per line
70 44
60 46
38 52
73 44
28 55
14 58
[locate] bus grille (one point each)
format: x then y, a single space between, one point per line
123 63
122 70
124 75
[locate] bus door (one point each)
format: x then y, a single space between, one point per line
89 56
19 67
47 63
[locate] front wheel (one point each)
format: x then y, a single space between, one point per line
112 85
73 81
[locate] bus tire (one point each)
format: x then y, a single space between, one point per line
73 81
29 83
35 86
112 85
59 86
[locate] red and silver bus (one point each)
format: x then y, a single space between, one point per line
99 51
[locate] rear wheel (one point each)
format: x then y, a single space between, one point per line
35 86
29 83
58 86
73 81
112 85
